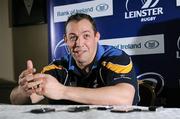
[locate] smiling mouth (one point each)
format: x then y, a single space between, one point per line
79 52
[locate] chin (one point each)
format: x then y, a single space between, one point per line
81 61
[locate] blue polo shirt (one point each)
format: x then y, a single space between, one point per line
109 67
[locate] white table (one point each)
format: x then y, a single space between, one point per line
22 112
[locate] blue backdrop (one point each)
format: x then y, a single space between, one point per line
148 30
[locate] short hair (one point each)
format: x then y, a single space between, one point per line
80 16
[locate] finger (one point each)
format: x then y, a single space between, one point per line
30 92
39 90
25 87
27 90
29 64
29 78
39 76
29 69
34 84
22 81
33 78
26 72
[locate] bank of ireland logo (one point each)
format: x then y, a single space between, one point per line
147 12
102 7
151 44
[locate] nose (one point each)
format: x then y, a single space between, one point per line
79 41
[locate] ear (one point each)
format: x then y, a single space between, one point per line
97 36
65 38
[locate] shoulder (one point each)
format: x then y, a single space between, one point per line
115 55
55 65
116 60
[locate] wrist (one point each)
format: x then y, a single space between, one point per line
68 93
22 92
63 90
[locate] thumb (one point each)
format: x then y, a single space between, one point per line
29 64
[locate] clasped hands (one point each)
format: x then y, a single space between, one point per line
37 85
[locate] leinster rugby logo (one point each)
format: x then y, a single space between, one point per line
156 80
60 50
178 51
147 12
145 3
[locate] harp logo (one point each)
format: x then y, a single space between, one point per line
147 12
151 44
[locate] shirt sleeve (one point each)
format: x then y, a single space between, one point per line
118 69
56 70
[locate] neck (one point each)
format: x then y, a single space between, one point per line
84 67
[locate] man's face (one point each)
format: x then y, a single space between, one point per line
82 41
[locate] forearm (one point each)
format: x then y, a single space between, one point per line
110 95
18 96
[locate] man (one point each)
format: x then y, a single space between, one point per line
91 74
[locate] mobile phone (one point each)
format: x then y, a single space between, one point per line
122 110
104 108
78 109
42 110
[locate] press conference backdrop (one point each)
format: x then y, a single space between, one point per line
148 30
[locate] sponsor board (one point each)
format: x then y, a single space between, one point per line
141 45
97 8
177 2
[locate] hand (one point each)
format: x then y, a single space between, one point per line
51 87
24 79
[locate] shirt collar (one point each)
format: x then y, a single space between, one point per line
99 53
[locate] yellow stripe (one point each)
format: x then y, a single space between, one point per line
50 67
117 68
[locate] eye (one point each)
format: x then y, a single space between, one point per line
86 36
73 38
